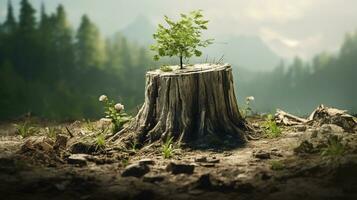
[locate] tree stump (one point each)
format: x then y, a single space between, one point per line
188 105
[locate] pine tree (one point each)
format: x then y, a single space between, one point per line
27 22
27 43
62 37
10 24
90 51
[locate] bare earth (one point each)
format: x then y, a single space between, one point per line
267 168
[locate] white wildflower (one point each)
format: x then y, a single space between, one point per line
119 107
103 98
250 98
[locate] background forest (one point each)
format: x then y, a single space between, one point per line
54 71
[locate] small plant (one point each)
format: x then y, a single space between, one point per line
334 148
272 130
133 146
115 112
51 132
90 126
167 148
25 129
100 142
166 68
247 110
277 165
125 162
181 38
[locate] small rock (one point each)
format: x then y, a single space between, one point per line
82 147
226 154
208 165
274 149
305 147
262 154
146 161
175 168
242 176
213 160
201 159
331 128
204 182
135 170
153 178
78 159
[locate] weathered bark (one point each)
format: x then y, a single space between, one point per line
189 104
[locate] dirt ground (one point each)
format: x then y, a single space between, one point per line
290 166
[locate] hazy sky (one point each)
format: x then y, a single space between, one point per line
289 27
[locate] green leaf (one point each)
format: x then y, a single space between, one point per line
182 37
198 53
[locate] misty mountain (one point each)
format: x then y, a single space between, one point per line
242 51
140 30
245 52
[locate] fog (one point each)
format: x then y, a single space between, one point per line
288 27
282 51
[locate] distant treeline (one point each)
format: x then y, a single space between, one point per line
55 72
52 71
330 79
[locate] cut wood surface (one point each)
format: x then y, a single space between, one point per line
189 104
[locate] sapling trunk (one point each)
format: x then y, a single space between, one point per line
181 65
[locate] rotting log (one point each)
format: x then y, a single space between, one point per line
188 105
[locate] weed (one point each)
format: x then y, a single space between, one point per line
166 68
167 148
272 130
51 132
25 129
100 142
277 165
133 146
115 112
125 162
90 126
247 110
334 147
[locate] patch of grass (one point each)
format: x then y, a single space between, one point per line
272 130
276 165
166 68
334 148
125 162
167 148
133 146
25 129
100 142
51 132
90 126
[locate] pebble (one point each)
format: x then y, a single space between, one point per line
78 159
176 168
135 170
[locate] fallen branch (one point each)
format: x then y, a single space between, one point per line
288 119
69 132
